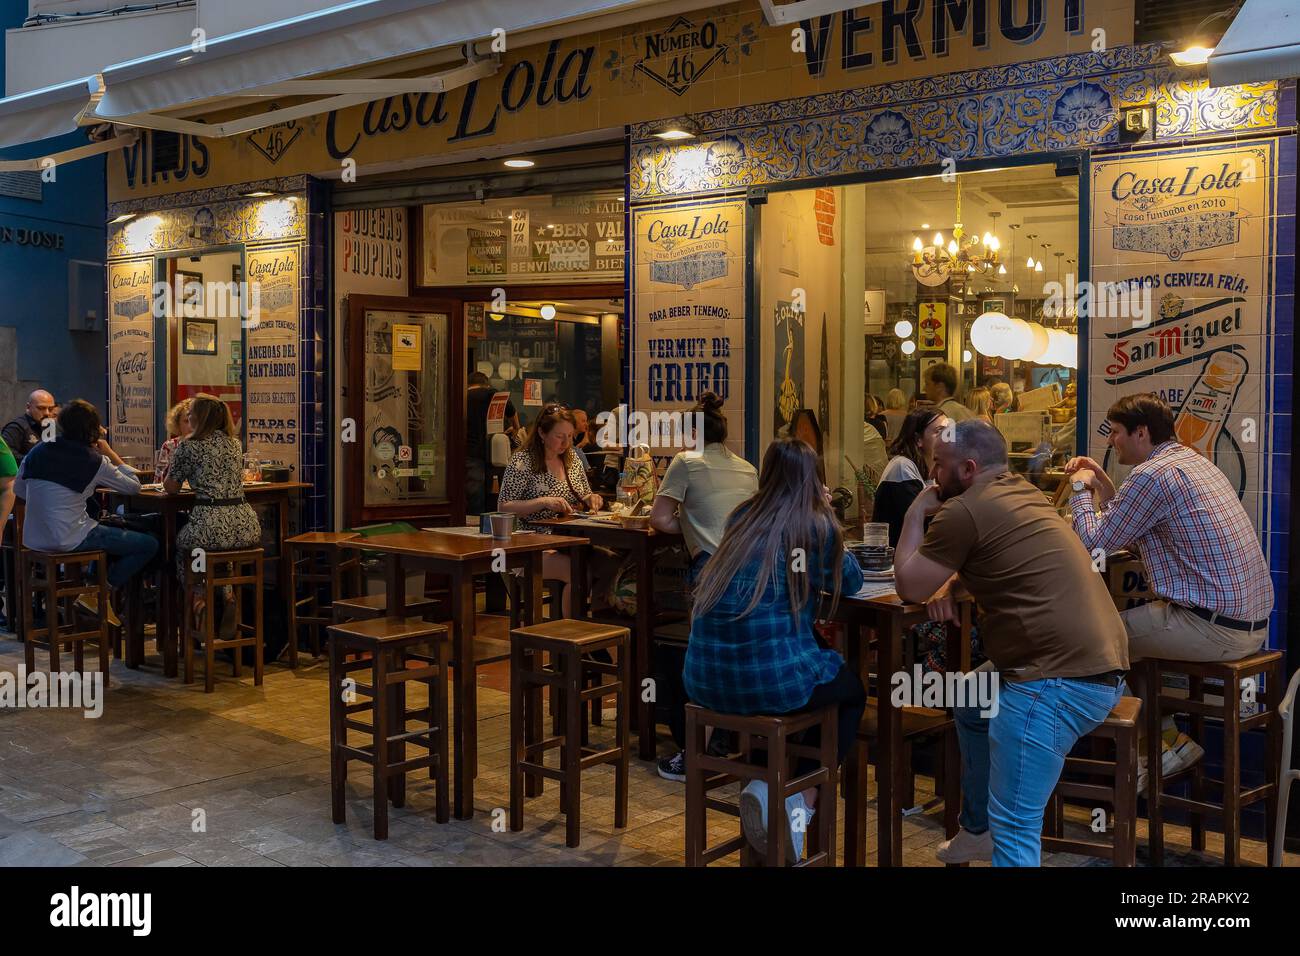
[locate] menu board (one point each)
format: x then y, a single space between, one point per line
1192 226
271 362
526 239
690 312
131 410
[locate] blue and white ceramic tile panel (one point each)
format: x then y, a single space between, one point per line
313 418
1282 380
1045 105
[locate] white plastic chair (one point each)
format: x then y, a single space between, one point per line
1287 774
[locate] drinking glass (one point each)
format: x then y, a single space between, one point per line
875 534
252 468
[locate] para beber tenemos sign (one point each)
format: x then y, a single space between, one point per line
1195 227
690 309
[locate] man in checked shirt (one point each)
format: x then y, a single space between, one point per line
1199 550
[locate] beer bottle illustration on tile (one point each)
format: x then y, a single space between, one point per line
1210 401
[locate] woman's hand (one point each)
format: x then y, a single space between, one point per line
556 504
594 501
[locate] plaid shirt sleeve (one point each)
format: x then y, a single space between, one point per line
1138 506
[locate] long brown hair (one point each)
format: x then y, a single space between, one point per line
788 511
210 414
534 444
908 442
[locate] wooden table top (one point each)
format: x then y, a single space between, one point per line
157 494
579 522
458 547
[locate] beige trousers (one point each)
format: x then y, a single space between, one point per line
1161 629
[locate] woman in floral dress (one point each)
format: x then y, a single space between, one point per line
545 480
211 461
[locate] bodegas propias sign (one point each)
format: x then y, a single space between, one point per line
634 74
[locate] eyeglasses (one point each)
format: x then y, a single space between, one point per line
553 408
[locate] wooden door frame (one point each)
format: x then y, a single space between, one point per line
452 510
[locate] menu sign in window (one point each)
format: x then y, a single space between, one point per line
527 239
131 409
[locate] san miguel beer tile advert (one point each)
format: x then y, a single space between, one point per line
130 358
1195 229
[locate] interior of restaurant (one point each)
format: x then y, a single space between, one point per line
892 276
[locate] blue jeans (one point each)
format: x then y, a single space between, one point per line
132 549
1011 762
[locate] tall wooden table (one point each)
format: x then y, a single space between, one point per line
461 557
274 493
642 543
887 619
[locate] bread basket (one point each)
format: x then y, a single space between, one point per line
641 522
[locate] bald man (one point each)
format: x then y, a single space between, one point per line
24 432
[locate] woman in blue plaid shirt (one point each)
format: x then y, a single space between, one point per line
752 648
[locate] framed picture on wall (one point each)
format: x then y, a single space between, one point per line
199 337
191 285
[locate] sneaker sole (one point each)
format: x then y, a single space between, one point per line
678 777
751 822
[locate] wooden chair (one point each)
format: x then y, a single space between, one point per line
238 570
1119 793
1233 674
569 644
705 773
316 560
390 644
61 578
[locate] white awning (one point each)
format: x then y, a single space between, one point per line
1263 43
40 114
276 59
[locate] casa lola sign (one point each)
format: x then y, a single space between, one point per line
703 60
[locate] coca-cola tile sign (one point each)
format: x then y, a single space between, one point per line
131 358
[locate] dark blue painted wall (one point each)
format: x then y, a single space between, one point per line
34 281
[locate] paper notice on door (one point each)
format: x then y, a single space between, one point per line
407 354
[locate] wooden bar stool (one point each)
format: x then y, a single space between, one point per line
705 773
366 607
1120 794
1233 674
390 643
237 570
567 642
316 560
61 578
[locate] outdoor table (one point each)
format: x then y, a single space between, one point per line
876 611
642 543
460 557
150 500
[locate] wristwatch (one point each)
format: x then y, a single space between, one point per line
1078 485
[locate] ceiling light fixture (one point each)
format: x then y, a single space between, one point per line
519 163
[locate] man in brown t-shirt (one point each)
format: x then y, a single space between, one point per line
1048 626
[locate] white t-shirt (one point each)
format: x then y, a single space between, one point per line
707 485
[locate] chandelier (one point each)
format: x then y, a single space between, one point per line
933 264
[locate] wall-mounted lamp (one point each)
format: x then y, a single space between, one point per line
122 218
676 129
548 311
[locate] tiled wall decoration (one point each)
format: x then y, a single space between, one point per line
1048 105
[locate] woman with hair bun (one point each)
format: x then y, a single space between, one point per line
700 489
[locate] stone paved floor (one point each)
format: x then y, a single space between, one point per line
127 789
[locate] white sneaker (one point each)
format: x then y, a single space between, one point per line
1184 753
753 818
967 847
